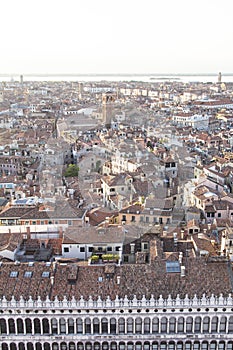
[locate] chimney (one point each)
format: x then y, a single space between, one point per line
118 279
182 273
132 246
182 234
60 232
28 232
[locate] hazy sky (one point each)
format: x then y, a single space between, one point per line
123 36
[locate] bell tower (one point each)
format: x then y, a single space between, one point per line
108 100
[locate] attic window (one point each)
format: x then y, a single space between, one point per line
172 266
14 274
45 274
28 274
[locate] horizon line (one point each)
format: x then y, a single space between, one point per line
114 74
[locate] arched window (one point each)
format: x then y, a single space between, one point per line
3 327
188 345
129 325
171 345
55 346
223 324
37 327
46 345
96 326
4 346
121 345
180 325
71 344
80 346
105 346
221 345
204 345
179 346
163 325
155 325
138 346
230 345
230 325
45 327
70 326
30 346
196 345
138 325
197 325
96 346
147 325
113 326
163 345
113 346
54 326
155 346
130 346
189 325
87 326
213 345
79 325
214 324
206 324
28 326
146 346
20 327
38 346
104 325
62 325
21 346
121 326
172 325
11 324
63 346
13 346
88 346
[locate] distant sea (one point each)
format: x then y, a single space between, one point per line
185 78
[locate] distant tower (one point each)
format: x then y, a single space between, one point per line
219 77
21 80
108 100
80 91
1 96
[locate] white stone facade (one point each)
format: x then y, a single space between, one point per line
166 324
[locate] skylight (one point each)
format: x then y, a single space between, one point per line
45 274
172 266
14 274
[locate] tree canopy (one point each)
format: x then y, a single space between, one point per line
72 170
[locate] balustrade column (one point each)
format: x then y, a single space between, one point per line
66 325
75 326
24 327
226 328
50 326
201 325
33 327
41 327
117 328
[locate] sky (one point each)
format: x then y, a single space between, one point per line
123 36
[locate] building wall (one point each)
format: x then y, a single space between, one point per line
182 324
